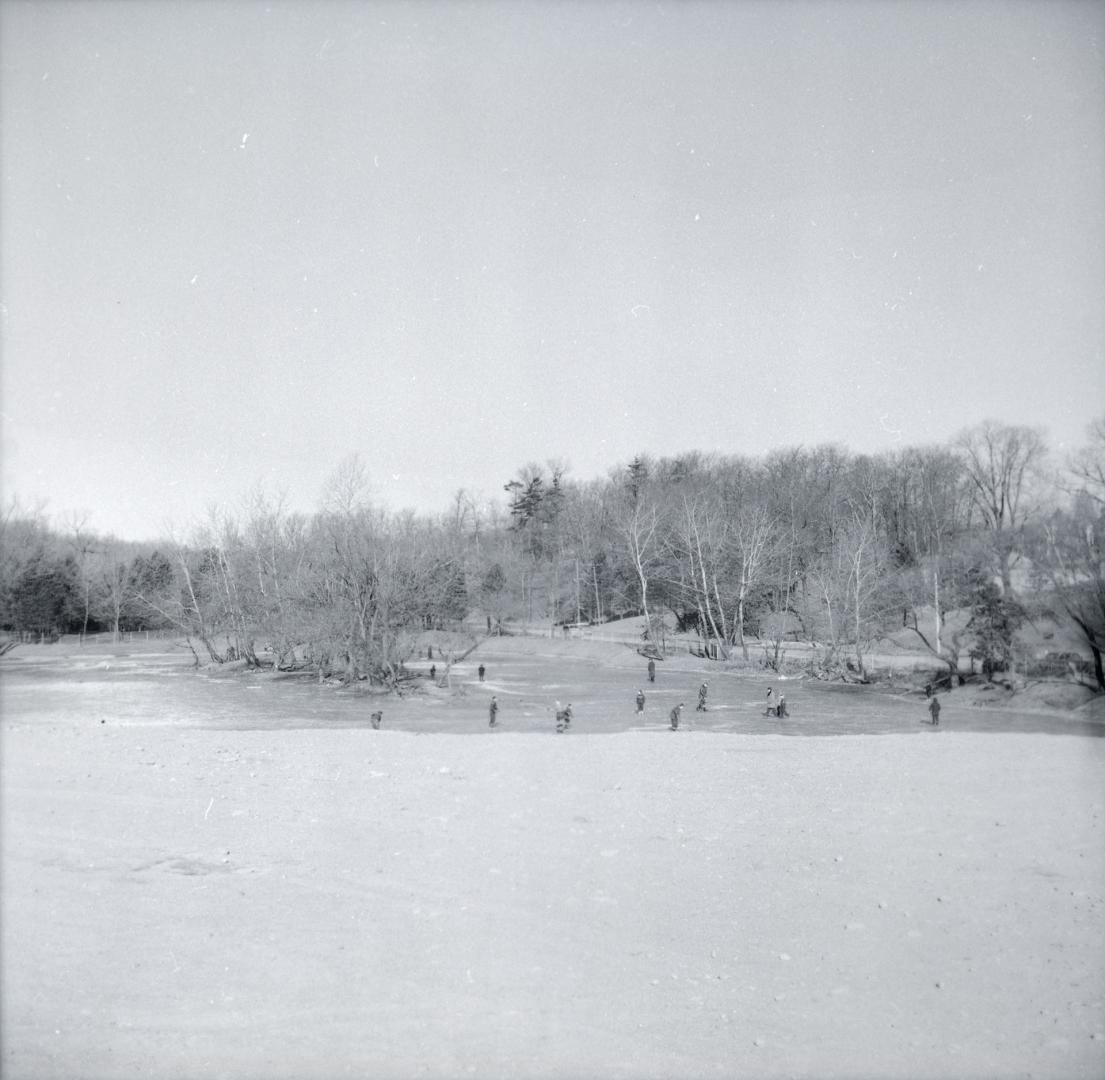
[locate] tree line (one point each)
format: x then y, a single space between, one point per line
817 544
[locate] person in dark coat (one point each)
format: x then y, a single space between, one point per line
563 717
701 706
433 671
377 718
640 702
771 710
493 710
781 709
652 671
934 709
675 716
481 669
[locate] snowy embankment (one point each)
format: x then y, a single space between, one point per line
311 904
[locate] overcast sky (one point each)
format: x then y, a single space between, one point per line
242 241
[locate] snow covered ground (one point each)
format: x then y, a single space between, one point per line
182 899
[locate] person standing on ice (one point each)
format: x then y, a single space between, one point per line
781 709
701 706
934 709
640 702
652 671
771 710
675 716
480 670
559 717
493 710
563 717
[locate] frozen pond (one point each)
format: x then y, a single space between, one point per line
44 685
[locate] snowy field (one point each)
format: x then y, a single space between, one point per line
237 877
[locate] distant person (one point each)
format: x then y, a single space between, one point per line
771 710
377 718
433 671
568 715
652 670
561 719
640 702
481 670
781 708
489 624
702 690
675 716
493 710
429 652
934 709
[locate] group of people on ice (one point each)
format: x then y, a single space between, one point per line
775 707
563 715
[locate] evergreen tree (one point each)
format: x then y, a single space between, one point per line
46 596
995 620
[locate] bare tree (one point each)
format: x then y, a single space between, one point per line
347 488
639 523
184 601
851 581
865 554
1001 462
1069 562
828 577
1087 465
84 543
925 518
276 558
701 534
113 584
751 533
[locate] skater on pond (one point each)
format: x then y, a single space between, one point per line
701 706
481 669
781 708
561 719
934 709
640 702
568 715
771 710
675 716
433 671
493 709
429 652
652 671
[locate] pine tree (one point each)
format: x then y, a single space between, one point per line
995 620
